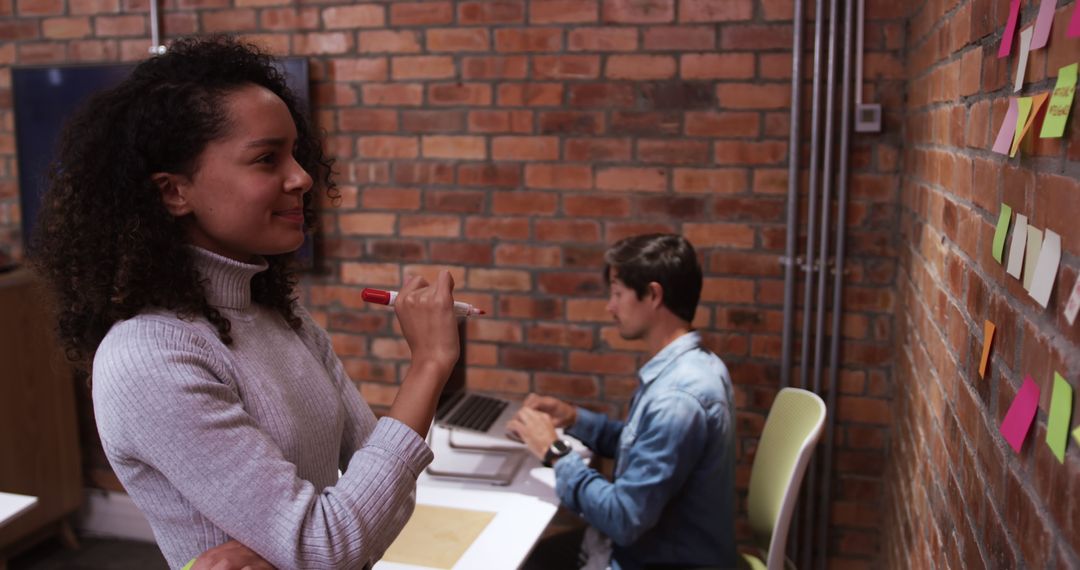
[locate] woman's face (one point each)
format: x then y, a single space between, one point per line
246 195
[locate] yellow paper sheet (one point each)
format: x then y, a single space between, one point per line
988 336
436 537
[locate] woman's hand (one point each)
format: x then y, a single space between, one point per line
231 556
428 322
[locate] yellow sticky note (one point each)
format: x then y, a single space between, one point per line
1060 103
988 335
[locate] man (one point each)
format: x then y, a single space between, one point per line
672 501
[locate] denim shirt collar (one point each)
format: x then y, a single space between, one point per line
656 365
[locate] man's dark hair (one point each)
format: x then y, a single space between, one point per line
667 259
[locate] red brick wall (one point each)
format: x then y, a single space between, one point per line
957 494
513 141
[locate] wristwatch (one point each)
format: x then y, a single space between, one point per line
557 451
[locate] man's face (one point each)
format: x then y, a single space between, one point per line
633 316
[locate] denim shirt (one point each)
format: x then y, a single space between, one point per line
672 500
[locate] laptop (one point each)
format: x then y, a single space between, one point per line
464 411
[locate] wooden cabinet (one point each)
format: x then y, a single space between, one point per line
39 446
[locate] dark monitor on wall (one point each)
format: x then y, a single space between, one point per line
46 96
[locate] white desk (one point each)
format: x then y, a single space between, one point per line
12 505
523 510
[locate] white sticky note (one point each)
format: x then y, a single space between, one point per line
1034 244
1022 59
1042 24
1074 303
1046 268
1016 250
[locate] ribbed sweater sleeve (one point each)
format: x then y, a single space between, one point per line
175 421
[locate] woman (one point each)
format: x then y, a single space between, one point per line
174 204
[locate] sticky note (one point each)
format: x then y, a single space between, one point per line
1074 24
1076 435
988 336
1010 29
1046 268
1074 303
1003 142
1022 59
1021 412
1057 427
1024 104
1016 250
1042 24
1002 229
1028 119
1034 246
1058 112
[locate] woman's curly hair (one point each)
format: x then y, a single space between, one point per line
105 243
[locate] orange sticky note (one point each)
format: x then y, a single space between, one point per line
1036 106
988 335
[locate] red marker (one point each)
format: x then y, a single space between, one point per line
387 298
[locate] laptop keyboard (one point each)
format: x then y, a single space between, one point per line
477 412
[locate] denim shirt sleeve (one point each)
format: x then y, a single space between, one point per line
670 439
596 431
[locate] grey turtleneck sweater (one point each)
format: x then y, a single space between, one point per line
215 442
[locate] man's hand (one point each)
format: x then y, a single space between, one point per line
535 429
231 556
562 414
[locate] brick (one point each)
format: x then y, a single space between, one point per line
499 279
65 28
389 41
530 94
638 11
429 226
463 147
603 39
458 39
388 147
386 274
502 228
528 40
367 120
498 12
606 95
678 208
18 30
565 67
465 253
421 67
515 67
646 123
108 26
396 250
427 173
567 230
640 67
717 66
524 203
596 206
632 178
730 124
432 121
288 19
518 254
563 11
743 153
679 38
571 122
421 13
390 199
524 148
500 121
755 37
498 380
358 16
495 175
753 96
358 69
397 94
719 235
78 7
715 10
558 176
565 385
462 201
597 150
529 307
674 95
672 151
244 20
367 224
610 363
530 359
460 94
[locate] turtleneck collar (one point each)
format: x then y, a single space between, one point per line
228 281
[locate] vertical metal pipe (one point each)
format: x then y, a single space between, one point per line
838 284
155 36
792 193
807 504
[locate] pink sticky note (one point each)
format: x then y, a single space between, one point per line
1074 24
1042 24
1008 127
1021 413
1010 29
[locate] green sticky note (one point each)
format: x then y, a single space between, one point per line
1024 106
1002 229
1057 427
1058 112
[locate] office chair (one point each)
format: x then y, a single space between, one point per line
792 429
